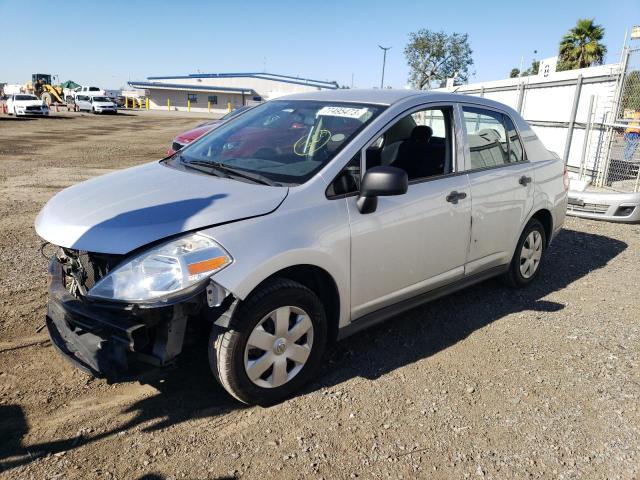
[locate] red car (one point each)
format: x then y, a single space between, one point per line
190 135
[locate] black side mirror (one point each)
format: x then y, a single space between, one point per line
380 182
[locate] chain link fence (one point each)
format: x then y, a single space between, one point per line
617 165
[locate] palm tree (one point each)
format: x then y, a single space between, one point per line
580 47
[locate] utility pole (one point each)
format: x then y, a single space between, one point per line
384 61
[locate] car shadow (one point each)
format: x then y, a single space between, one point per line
187 390
16 119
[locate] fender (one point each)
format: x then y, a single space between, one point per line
288 237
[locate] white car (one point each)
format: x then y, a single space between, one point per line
86 90
23 104
97 104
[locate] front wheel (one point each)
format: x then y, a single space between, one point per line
274 344
525 265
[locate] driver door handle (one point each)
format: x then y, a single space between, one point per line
524 180
454 196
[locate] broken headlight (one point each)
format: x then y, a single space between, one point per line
163 270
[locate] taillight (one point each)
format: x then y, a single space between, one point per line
565 178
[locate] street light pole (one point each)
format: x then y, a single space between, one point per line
384 61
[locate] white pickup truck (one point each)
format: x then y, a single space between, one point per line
87 90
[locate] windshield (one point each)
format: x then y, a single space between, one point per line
233 113
26 97
284 141
101 99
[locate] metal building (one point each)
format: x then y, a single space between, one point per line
217 92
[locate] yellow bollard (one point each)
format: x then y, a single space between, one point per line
146 102
228 106
209 105
188 105
168 104
126 102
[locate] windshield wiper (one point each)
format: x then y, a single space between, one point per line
227 171
201 163
256 177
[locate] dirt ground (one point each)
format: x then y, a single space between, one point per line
490 382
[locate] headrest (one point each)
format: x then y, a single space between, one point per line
422 133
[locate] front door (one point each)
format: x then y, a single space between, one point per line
418 241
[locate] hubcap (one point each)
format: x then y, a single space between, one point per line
531 254
278 347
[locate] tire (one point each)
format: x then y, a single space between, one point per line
525 264
232 351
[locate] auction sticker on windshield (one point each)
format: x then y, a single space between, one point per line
347 112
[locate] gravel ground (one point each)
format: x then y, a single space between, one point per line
490 382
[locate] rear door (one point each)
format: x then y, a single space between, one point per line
502 186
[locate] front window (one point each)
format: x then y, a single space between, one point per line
101 99
284 141
26 97
419 143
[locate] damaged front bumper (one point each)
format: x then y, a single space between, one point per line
104 338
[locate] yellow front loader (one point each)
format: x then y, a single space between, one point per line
40 85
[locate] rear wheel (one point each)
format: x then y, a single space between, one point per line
273 346
525 264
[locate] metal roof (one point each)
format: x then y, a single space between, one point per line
390 96
261 75
184 86
386 96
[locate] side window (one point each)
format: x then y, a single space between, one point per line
487 137
347 181
516 151
419 143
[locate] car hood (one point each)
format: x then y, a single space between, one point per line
194 133
28 103
125 210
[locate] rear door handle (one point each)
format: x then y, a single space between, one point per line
454 196
524 180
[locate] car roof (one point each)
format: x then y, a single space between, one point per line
389 97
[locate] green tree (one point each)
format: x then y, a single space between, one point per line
436 56
581 46
533 70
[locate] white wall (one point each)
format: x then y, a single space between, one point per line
545 101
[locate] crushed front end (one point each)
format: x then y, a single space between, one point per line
104 337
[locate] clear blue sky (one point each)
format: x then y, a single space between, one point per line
109 42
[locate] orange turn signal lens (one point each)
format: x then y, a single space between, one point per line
206 265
